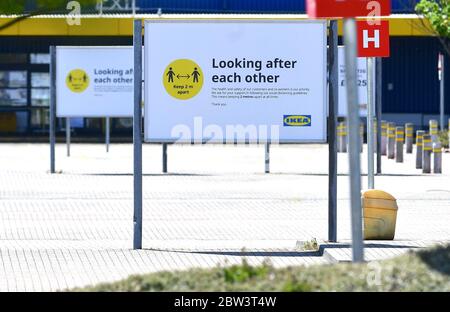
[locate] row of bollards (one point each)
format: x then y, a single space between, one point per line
427 145
397 139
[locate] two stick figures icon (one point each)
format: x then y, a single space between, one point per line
171 74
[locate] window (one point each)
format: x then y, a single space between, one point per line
40 92
13 122
40 80
13 90
13 97
13 79
40 97
40 58
40 118
24 92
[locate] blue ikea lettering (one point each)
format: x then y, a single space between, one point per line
297 120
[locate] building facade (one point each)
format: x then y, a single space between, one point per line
410 80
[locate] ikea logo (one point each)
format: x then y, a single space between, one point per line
297 120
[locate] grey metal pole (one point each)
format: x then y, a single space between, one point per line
68 136
137 135
164 157
419 148
427 150
399 139
437 157
442 91
375 133
267 157
52 121
354 143
370 134
333 98
107 134
378 88
409 133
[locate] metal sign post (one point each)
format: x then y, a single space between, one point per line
370 137
441 71
107 134
349 10
378 93
68 136
164 157
354 143
333 97
137 135
267 157
52 121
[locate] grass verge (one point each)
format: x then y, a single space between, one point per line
424 270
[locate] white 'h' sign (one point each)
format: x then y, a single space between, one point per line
375 39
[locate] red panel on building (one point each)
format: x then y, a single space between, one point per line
346 8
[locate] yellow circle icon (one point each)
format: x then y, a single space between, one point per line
77 80
183 79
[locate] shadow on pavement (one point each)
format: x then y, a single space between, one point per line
287 253
323 174
252 253
437 258
148 174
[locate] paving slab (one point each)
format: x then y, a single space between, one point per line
215 206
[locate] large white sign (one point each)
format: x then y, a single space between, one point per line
244 81
94 81
361 81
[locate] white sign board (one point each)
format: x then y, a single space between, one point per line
94 81
361 81
244 81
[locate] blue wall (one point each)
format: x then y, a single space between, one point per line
244 6
410 78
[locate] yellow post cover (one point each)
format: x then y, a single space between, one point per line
380 215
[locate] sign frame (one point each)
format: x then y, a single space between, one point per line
58 115
148 44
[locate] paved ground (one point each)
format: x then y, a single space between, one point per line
75 228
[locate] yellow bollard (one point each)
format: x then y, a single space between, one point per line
380 215
361 136
399 139
384 137
409 131
434 125
342 137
